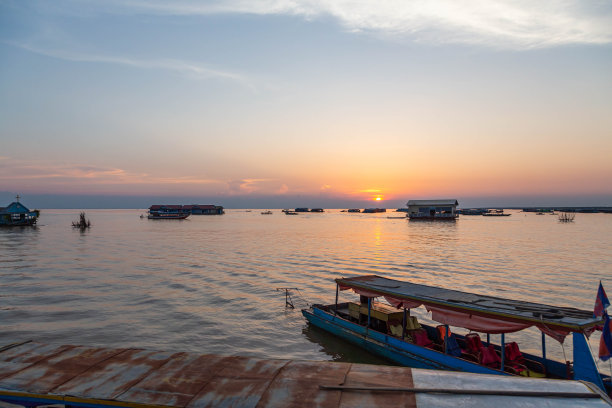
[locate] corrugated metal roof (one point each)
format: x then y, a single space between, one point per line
483 305
104 377
433 202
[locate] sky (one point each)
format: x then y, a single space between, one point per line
280 103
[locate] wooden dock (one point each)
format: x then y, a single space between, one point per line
80 376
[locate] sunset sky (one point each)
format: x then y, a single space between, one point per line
341 101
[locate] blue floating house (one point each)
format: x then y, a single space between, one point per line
17 214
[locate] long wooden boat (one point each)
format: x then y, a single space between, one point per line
168 216
390 331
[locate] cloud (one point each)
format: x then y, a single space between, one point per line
185 68
495 23
16 172
245 185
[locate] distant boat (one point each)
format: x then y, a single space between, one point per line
167 212
354 210
472 211
289 212
374 210
317 210
495 213
302 209
268 212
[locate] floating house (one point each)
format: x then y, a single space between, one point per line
302 209
17 214
445 210
198 209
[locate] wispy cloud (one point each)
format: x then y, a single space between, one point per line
248 186
18 171
495 23
186 68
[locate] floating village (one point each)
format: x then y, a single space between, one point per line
462 360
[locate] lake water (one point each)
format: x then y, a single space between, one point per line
208 284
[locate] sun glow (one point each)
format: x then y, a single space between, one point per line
377 198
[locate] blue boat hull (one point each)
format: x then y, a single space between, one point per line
391 348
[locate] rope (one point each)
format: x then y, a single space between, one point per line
591 351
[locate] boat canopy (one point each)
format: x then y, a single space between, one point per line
486 314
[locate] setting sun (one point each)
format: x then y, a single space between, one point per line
378 198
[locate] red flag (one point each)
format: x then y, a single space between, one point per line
601 302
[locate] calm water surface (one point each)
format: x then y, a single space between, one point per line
208 284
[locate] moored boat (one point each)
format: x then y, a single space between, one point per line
496 213
167 212
391 332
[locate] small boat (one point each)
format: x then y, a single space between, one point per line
472 211
388 329
167 212
374 210
289 212
268 212
354 210
495 213
167 216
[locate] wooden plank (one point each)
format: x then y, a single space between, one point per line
58 368
18 358
114 376
178 381
240 382
297 385
378 376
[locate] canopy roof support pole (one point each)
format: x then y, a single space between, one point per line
446 330
488 339
369 310
404 325
544 350
503 350
336 308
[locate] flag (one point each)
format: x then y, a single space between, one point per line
601 302
605 342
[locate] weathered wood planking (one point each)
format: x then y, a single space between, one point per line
33 373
